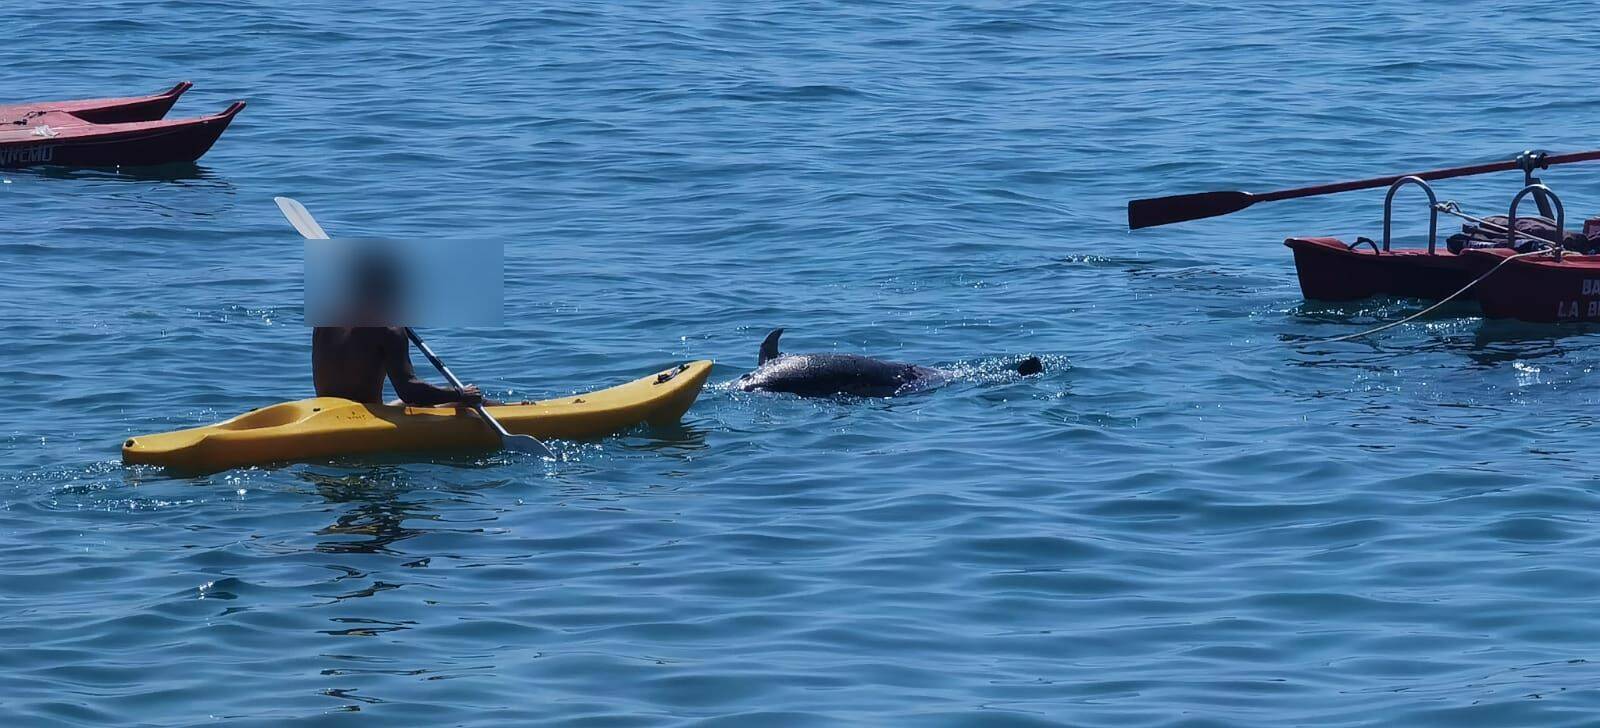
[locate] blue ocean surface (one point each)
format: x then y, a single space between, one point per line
1202 513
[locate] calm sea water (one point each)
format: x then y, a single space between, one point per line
1200 515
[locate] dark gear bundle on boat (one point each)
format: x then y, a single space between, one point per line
1493 235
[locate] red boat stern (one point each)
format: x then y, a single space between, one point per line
1333 270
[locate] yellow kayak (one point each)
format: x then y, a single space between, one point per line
324 427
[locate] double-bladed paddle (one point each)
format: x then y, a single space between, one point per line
1178 208
302 221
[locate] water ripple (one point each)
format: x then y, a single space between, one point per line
1203 513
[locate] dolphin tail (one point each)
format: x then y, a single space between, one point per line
769 346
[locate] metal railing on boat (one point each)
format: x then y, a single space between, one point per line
1433 211
1540 193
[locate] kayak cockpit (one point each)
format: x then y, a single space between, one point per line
277 415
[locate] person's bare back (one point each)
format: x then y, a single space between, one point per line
351 362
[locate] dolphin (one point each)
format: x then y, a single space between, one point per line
824 375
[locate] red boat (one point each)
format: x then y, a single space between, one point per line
1333 270
1526 268
125 132
101 111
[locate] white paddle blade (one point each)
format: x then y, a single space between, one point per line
526 444
300 218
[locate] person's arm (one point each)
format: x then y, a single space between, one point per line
410 387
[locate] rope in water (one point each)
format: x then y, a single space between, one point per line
1451 208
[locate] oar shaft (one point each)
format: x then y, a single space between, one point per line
1366 184
1446 173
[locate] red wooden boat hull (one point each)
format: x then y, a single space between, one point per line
1538 288
1331 270
102 111
66 139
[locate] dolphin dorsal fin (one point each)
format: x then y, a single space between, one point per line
769 347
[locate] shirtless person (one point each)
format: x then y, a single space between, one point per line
351 362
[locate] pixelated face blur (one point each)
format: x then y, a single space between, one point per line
378 282
377 289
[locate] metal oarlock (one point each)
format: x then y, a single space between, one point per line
1433 211
1537 190
1528 161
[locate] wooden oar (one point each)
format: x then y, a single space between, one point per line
1178 208
302 221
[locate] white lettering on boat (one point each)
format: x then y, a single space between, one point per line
1591 286
1576 309
27 155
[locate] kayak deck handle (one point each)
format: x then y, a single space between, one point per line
667 376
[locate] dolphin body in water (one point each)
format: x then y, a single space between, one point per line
824 375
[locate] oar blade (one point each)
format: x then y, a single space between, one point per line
526 444
1178 208
300 218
